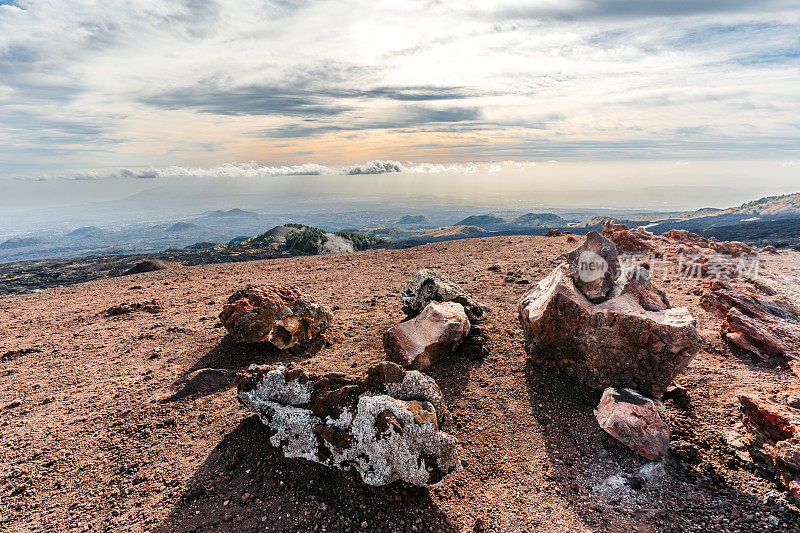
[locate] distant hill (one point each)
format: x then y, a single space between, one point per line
205 245
231 213
179 227
787 204
86 231
600 220
704 212
21 242
412 220
481 221
275 235
538 220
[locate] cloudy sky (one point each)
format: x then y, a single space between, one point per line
96 86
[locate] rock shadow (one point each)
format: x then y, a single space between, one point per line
215 370
607 484
247 485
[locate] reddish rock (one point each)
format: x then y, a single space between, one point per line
276 314
594 266
755 321
431 335
639 284
617 343
633 420
775 444
628 241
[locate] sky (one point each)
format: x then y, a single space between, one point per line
122 91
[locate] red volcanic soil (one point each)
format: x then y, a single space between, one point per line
108 423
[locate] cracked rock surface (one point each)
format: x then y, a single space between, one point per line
617 343
633 420
385 425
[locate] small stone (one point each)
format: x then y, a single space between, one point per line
633 420
594 267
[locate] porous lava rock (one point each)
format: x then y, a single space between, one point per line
429 285
637 282
594 266
277 314
386 425
421 341
633 420
775 442
617 343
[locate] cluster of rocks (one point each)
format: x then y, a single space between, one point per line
386 425
758 317
440 314
775 439
611 331
673 242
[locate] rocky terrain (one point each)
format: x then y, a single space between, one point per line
119 411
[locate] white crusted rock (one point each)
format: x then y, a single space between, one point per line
385 425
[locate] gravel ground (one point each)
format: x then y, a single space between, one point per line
109 423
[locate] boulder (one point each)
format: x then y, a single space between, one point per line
633 420
594 266
775 440
617 343
386 425
429 285
273 313
421 341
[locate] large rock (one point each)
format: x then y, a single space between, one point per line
633 420
594 266
617 343
775 443
276 314
758 318
386 425
431 335
429 285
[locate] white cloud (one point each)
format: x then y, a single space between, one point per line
91 83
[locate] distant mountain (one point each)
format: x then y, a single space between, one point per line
538 220
86 231
231 213
180 227
788 204
704 212
22 242
204 245
412 220
481 221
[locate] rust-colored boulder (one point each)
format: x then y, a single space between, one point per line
386 425
594 266
280 315
638 283
775 444
617 343
421 341
633 420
